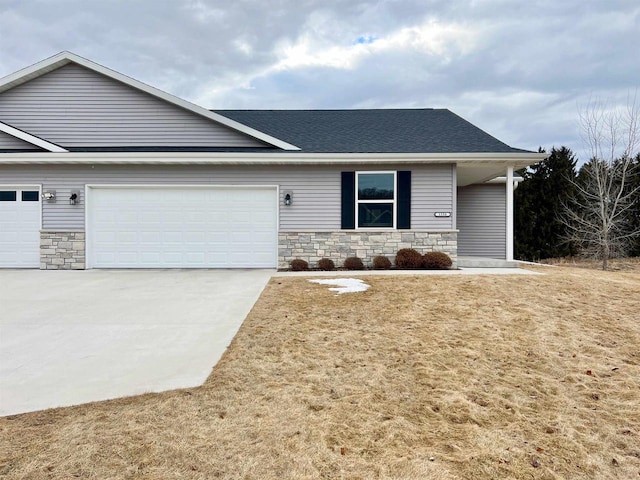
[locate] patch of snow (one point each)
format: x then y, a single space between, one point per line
344 285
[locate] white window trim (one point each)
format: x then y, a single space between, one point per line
394 201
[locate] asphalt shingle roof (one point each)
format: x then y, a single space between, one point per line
372 131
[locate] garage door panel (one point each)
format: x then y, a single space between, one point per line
218 236
9 236
196 217
127 237
214 227
172 258
19 229
151 233
107 217
169 237
217 258
106 236
198 237
9 218
146 258
28 237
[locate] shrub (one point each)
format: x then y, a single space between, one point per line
326 264
353 263
299 265
381 263
408 258
436 261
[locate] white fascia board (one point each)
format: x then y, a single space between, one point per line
64 58
518 160
34 71
504 180
32 139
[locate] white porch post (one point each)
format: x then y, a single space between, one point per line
509 238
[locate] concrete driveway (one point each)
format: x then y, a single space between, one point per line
70 337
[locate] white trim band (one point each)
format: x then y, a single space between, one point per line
32 139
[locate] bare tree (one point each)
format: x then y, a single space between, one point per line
596 216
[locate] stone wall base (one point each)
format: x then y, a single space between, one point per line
62 250
65 250
312 246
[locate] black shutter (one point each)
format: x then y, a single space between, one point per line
348 200
404 200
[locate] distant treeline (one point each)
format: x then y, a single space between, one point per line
539 202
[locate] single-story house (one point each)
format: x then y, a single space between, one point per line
98 170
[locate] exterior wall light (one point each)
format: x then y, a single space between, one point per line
288 198
74 198
50 196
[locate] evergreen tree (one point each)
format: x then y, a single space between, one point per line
634 185
538 200
524 217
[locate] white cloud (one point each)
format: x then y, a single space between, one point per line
432 38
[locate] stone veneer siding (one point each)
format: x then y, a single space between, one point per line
312 246
62 250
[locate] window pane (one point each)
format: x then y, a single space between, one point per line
375 186
375 215
8 196
30 196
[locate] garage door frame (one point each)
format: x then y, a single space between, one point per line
30 186
89 187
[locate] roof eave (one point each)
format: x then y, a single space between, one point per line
517 160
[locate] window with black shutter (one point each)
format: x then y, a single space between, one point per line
379 199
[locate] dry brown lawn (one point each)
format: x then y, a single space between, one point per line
615 265
436 377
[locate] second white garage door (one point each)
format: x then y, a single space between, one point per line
19 227
190 227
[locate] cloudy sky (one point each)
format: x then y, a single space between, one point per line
518 69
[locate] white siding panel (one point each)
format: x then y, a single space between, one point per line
482 221
76 107
316 189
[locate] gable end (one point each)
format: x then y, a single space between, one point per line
76 107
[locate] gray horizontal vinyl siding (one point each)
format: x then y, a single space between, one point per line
316 189
432 190
9 142
76 107
482 221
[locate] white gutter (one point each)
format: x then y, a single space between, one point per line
518 160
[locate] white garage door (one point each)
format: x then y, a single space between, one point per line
19 227
190 227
